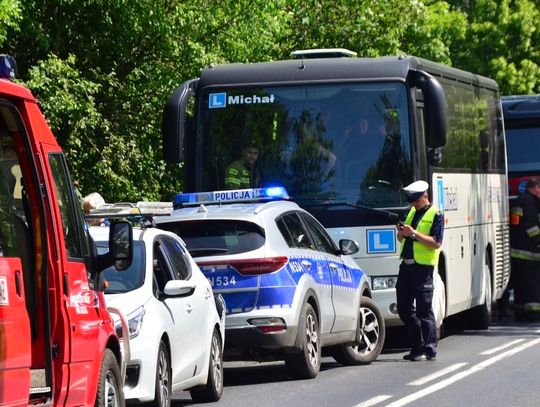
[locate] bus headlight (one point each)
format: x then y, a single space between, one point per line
383 283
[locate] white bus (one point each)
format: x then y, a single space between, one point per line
344 135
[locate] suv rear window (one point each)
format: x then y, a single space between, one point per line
217 237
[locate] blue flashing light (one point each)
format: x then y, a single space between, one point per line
8 67
235 195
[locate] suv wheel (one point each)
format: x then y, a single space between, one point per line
372 333
306 363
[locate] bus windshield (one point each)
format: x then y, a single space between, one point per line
345 143
520 143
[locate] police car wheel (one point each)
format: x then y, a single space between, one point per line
306 363
371 337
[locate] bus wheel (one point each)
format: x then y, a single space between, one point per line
439 304
306 363
371 338
480 316
110 391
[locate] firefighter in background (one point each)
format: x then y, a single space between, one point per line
421 236
243 173
525 252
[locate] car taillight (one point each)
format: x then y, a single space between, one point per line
249 267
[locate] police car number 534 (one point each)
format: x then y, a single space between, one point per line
222 281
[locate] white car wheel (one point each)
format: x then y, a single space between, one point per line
213 389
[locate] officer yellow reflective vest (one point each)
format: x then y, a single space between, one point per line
423 254
238 176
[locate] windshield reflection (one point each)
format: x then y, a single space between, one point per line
346 143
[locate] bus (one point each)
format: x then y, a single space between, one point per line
344 135
522 131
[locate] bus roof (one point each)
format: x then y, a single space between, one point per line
521 106
333 69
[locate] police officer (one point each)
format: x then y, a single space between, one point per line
421 237
242 173
525 252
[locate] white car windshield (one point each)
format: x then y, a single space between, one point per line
128 280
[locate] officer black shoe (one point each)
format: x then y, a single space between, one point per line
431 357
415 357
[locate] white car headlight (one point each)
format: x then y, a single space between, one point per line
383 283
134 322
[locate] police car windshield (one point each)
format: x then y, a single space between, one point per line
217 237
346 142
130 279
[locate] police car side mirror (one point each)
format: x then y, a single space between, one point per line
348 246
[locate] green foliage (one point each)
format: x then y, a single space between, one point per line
103 69
10 15
502 42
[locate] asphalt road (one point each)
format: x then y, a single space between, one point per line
497 367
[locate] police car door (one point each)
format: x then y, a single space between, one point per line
312 264
343 290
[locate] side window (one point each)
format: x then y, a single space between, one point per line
160 270
75 241
177 257
10 194
293 231
322 240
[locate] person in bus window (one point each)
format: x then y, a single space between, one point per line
525 252
243 173
421 235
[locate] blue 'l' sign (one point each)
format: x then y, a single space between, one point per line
381 240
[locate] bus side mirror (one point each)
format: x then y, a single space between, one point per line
436 120
121 244
174 122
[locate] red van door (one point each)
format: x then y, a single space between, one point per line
15 342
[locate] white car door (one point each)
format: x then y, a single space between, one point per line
194 328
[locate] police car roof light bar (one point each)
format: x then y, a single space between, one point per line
230 196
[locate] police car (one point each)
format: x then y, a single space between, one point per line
176 326
289 290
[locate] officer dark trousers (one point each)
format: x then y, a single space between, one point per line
415 282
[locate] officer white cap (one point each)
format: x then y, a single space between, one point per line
416 190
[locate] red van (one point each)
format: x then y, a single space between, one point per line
58 343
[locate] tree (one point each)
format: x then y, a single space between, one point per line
502 42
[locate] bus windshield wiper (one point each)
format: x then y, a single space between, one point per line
391 215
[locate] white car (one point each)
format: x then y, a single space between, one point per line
176 326
289 290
